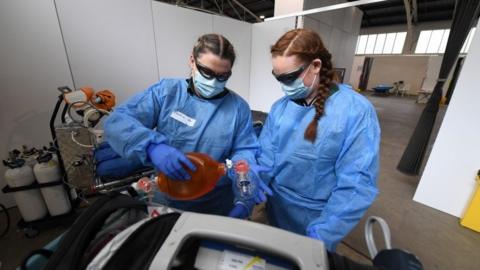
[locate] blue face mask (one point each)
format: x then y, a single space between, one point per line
207 88
297 89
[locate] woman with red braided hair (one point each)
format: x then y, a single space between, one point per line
321 141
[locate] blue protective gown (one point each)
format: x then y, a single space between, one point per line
168 113
322 189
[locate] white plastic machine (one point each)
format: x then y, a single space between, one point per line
229 244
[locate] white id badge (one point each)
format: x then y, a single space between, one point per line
183 118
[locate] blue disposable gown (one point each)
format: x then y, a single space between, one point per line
221 128
322 189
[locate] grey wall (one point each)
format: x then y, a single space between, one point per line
420 71
433 69
357 68
33 64
339 30
389 69
110 44
174 43
264 89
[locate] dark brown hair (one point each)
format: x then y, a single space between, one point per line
216 44
308 46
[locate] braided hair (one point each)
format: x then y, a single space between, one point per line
216 44
308 46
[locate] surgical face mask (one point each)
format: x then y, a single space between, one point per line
207 88
297 89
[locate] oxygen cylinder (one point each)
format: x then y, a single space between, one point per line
52 150
30 203
29 155
47 170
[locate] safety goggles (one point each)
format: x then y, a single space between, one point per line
210 74
290 77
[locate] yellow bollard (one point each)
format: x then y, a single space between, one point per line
471 219
443 101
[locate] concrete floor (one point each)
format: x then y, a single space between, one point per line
15 245
435 237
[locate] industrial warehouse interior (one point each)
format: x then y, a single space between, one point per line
239 134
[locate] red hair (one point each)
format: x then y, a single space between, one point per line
308 46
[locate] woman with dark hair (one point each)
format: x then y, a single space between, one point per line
198 114
321 141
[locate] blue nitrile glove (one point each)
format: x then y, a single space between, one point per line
170 161
263 189
240 210
254 175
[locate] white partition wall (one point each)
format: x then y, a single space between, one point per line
448 181
176 32
33 64
176 37
264 89
240 35
339 31
110 44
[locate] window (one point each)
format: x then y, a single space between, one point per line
370 44
389 42
379 44
468 41
385 43
435 41
362 43
443 45
399 41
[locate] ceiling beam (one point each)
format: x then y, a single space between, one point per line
366 19
382 5
386 12
235 10
415 11
408 11
385 23
247 10
207 5
255 5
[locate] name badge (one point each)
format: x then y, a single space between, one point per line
182 118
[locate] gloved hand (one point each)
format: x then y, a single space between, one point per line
262 188
170 161
240 210
254 175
